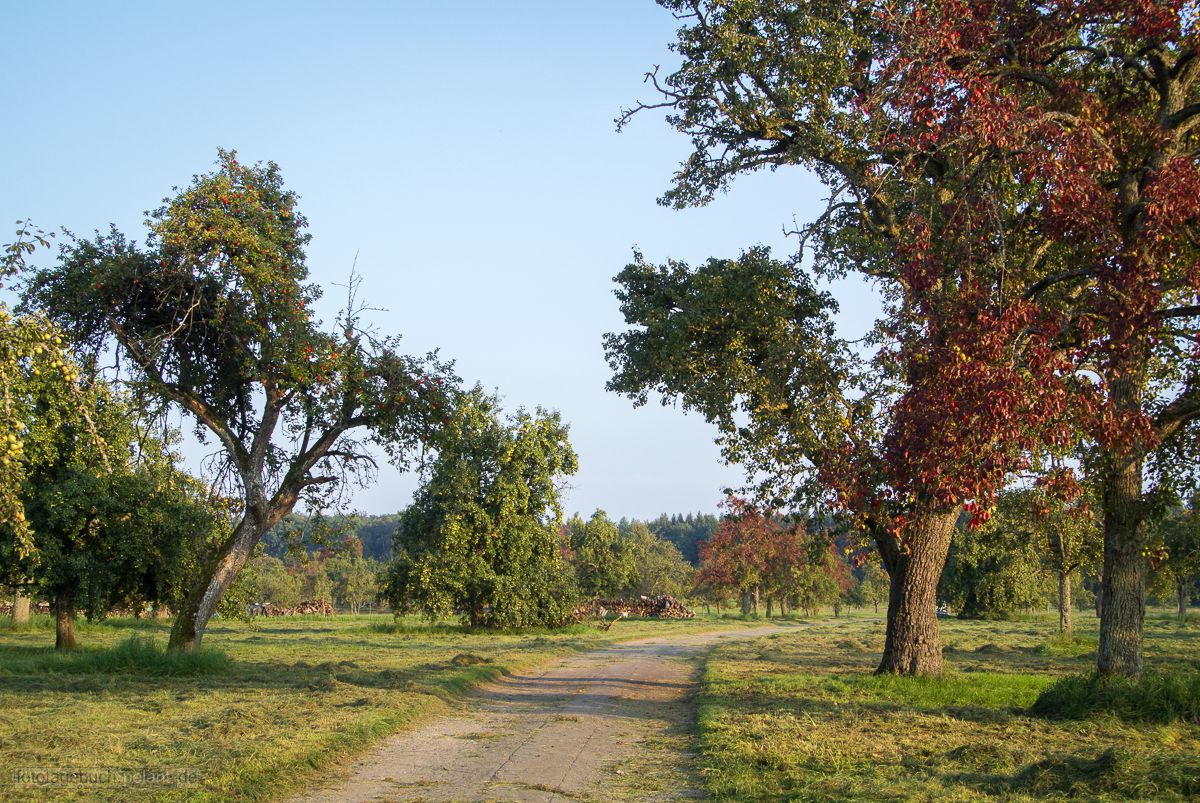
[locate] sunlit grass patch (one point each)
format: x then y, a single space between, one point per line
264 708
136 655
1064 646
803 717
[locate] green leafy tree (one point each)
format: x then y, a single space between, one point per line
992 571
872 588
213 317
28 343
813 585
659 567
481 537
605 562
1066 535
268 580
110 516
960 382
1176 552
356 584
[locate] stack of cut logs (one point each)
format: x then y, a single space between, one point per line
6 607
309 607
657 607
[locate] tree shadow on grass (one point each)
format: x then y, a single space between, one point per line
1113 772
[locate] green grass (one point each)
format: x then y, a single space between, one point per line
1152 697
802 716
261 711
136 655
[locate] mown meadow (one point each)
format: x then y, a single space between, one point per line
261 710
802 716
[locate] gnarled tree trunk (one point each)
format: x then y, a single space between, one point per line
198 607
913 645
64 620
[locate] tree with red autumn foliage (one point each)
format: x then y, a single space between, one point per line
1093 108
753 554
962 384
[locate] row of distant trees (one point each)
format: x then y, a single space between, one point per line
1035 551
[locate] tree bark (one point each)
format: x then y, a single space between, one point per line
1124 581
64 620
746 602
770 607
913 645
201 603
756 602
20 610
1181 591
1064 602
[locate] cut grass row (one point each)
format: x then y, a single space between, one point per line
802 716
263 711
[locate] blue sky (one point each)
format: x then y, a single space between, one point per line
466 152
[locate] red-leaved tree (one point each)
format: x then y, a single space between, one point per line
1091 107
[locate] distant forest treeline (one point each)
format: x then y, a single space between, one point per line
301 534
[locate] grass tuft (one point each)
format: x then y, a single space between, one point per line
1064 646
136 655
1150 697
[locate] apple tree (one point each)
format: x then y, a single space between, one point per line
213 317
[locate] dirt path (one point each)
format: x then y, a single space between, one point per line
572 732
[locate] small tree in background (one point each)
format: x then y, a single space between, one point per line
1175 552
660 567
605 562
993 571
481 537
872 588
753 554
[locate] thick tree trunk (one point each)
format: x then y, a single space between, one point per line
746 602
20 609
756 602
783 606
64 620
1124 582
770 607
1064 602
913 646
201 603
1181 592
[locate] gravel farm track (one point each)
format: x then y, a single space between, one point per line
580 730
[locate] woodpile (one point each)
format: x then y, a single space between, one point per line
6 607
309 607
645 607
